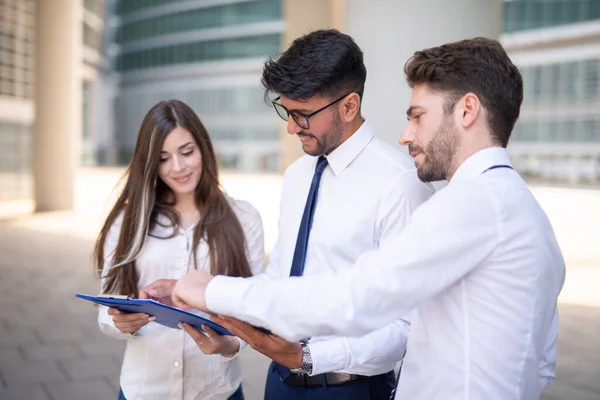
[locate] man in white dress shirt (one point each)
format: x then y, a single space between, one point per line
479 260
363 194
348 195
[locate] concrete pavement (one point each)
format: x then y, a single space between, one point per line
50 345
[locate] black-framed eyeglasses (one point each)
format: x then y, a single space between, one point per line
300 119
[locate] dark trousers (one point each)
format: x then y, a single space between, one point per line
238 395
377 387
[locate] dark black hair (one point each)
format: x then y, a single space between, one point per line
322 63
480 66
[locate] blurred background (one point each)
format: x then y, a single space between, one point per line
77 77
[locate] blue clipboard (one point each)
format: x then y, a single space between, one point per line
165 315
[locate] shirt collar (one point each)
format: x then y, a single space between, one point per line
163 227
480 161
341 157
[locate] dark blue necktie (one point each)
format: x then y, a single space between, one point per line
302 240
306 223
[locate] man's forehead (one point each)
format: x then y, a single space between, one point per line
423 96
289 103
301 104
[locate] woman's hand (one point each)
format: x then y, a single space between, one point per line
129 322
210 342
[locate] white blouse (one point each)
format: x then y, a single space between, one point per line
165 363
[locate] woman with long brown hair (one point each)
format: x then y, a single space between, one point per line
170 218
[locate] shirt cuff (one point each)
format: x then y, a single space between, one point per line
224 295
108 326
328 356
235 355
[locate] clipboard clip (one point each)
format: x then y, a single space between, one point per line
114 296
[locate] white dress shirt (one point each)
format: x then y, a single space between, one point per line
366 195
164 363
481 262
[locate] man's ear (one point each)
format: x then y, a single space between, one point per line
350 106
470 108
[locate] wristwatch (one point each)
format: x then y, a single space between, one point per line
307 364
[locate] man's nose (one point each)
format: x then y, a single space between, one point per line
407 137
292 126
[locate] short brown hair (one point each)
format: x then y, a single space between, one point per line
480 66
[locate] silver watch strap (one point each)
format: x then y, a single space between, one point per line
307 364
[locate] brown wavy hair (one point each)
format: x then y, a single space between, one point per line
145 196
480 66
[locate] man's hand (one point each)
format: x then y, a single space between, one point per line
210 342
276 348
129 322
189 291
159 290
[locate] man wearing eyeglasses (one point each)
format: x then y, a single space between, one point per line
346 196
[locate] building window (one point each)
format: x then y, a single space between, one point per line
16 48
532 14
222 49
125 7
96 7
91 37
208 17
591 73
243 128
15 161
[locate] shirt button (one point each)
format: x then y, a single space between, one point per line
176 363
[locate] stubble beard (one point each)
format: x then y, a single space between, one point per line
439 153
329 140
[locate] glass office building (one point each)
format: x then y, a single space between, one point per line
16 93
556 45
17 63
95 65
208 54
